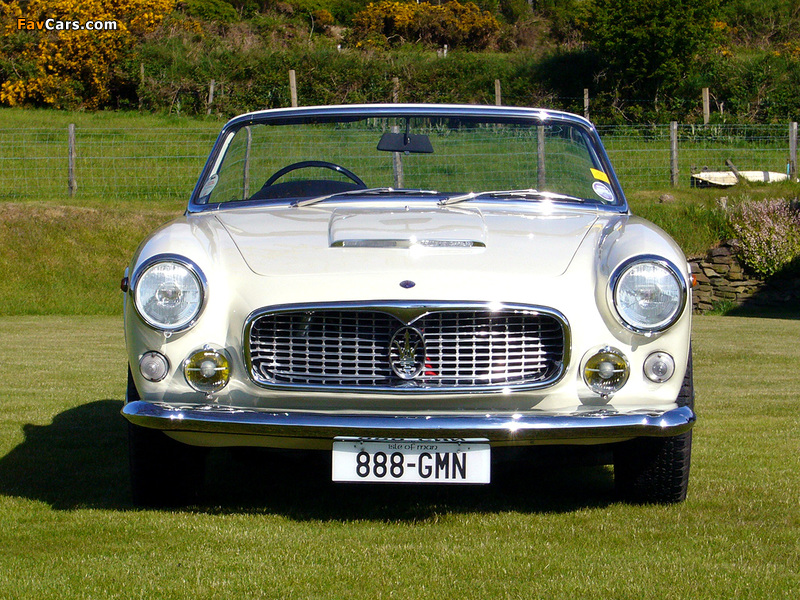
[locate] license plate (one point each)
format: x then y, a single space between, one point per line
411 461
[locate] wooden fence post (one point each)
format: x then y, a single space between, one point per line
673 153
793 151
498 93
212 84
706 107
72 182
141 83
586 103
397 158
293 87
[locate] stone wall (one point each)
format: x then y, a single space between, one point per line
722 278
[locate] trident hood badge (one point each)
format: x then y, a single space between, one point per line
407 353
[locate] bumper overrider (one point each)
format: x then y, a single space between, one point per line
501 429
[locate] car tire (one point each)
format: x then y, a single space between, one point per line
686 395
163 472
656 470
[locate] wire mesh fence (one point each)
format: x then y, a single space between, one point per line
642 155
143 163
164 163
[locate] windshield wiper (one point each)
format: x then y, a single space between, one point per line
363 192
529 194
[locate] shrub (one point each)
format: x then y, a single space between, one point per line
212 10
650 45
322 18
71 68
769 234
390 23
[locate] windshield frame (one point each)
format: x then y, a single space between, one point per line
357 112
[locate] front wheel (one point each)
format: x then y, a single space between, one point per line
653 470
163 472
656 470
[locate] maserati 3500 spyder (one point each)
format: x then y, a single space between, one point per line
411 289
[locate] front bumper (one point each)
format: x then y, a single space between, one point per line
595 426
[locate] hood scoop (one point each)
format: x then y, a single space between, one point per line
431 228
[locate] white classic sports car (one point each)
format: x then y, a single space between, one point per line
410 288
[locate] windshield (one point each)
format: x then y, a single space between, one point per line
295 161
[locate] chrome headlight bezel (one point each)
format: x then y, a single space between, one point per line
636 325
201 290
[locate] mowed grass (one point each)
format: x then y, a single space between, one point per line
271 526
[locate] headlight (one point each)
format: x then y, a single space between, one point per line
648 294
168 293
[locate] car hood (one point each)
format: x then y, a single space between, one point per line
285 241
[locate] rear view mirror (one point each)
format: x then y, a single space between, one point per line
407 143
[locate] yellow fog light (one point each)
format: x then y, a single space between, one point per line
207 370
606 371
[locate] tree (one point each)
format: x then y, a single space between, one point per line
649 47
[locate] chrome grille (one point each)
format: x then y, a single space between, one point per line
463 347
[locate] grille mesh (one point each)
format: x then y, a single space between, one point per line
351 348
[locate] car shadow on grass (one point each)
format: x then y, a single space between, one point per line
788 311
80 461
77 461
297 485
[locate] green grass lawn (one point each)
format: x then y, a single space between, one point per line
271 526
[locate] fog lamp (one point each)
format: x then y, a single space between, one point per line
207 370
606 371
659 367
153 366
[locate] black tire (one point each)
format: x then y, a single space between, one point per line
163 472
131 393
656 470
686 395
653 470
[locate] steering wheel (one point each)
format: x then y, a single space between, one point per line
315 163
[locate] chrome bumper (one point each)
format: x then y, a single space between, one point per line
501 429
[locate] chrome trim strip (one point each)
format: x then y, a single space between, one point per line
409 312
598 424
405 243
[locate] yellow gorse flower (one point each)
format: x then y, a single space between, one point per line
74 64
